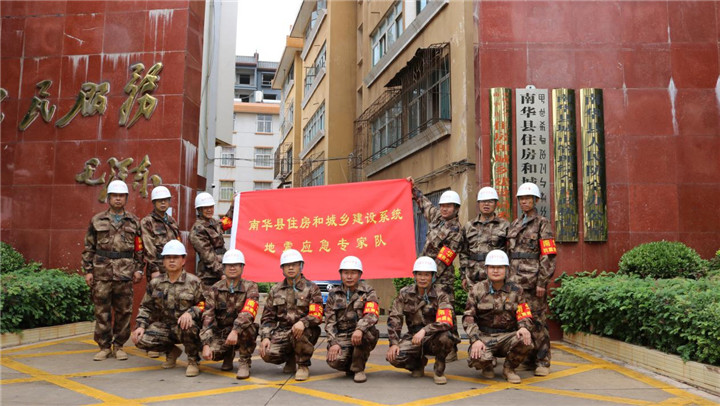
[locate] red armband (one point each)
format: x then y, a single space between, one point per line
251 306
201 306
547 246
444 316
446 255
316 310
138 244
523 312
372 308
226 223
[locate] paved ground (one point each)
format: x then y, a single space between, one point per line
63 372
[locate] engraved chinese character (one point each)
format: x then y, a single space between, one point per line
267 224
370 218
146 85
361 242
305 222
269 247
90 100
292 223
344 219
383 216
279 224
306 247
330 221
141 176
3 96
324 246
357 218
254 224
39 106
343 244
396 214
379 240
86 175
317 221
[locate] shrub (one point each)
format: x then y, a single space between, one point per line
678 316
264 287
460 294
10 259
661 260
714 265
50 297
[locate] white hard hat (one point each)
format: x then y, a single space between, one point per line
233 256
487 193
174 247
425 264
204 199
117 186
160 192
351 262
528 189
290 256
450 197
497 257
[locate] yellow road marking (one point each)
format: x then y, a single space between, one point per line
18 380
209 392
110 371
63 382
456 396
584 395
41 345
329 396
47 354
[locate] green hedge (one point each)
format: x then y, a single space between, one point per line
678 316
663 259
460 294
10 260
30 299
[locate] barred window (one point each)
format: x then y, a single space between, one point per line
227 156
387 32
263 157
262 185
227 189
316 177
264 123
315 126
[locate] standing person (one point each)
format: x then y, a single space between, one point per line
497 321
170 312
443 241
158 228
207 239
352 310
229 324
290 323
532 264
485 233
112 261
429 316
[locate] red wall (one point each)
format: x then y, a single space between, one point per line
44 211
662 162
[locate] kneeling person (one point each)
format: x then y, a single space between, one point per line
290 323
429 316
170 311
231 305
497 321
352 311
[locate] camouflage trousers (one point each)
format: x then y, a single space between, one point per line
353 358
501 345
540 334
284 346
413 356
161 337
246 343
113 309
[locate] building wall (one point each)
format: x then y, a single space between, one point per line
45 211
657 63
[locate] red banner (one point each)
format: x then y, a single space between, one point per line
370 220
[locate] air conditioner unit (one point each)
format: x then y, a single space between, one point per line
258 96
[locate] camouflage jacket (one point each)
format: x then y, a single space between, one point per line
440 233
225 309
207 239
524 239
166 301
156 232
286 306
345 315
479 238
111 250
493 311
418 313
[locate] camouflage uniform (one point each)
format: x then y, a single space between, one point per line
163 304
112 255
420 313
479 238
224 312
156 232
207 239
286 306
491 317
440 233
346 314
530 269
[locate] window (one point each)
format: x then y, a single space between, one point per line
312 72
264 123
316 177
386 130
227 156
263 157
269 97
288 117
315 126
387 32
243 79
227 189
267 79
289 78
429 98
262 185
420 5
